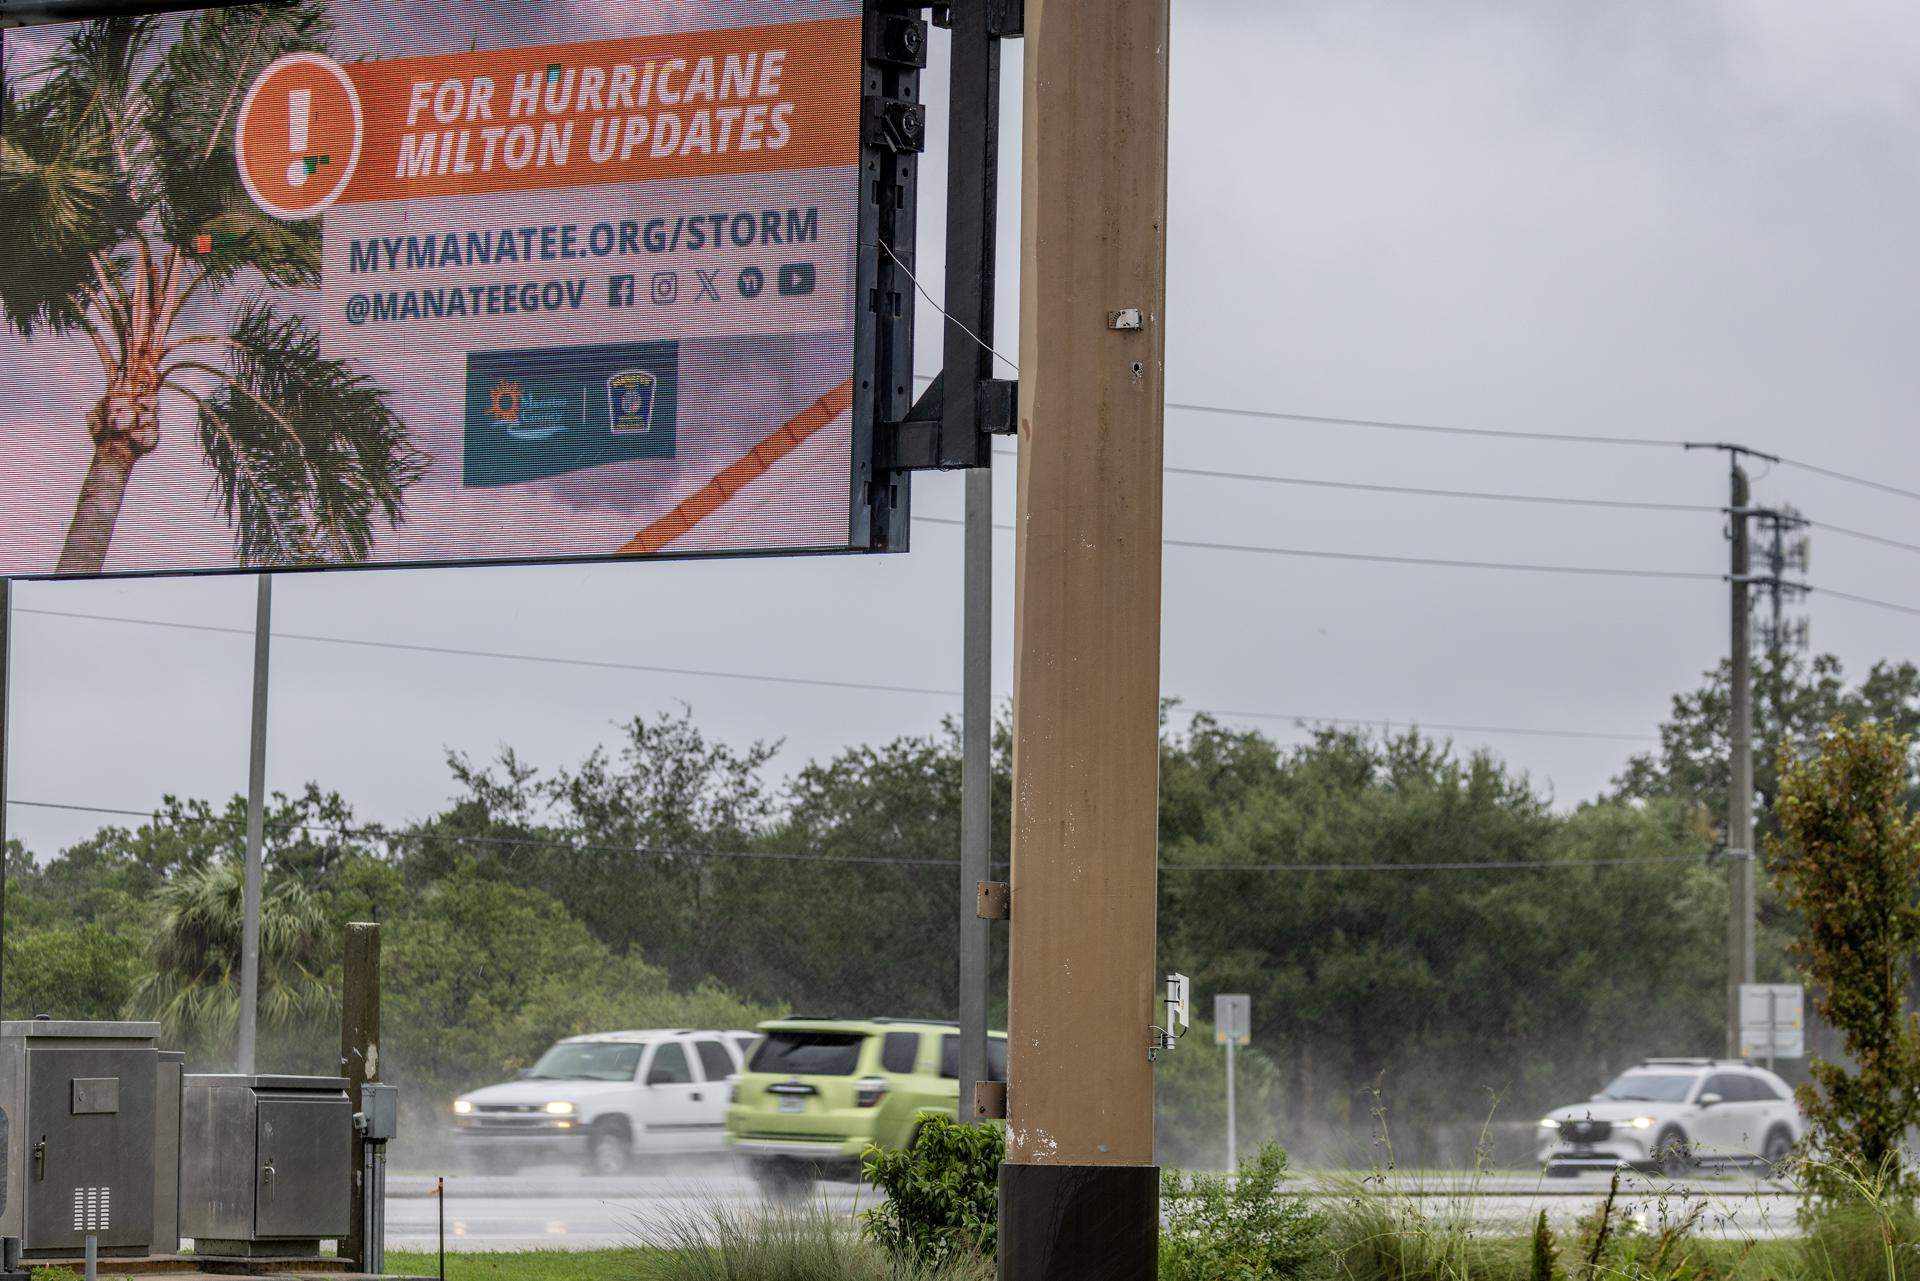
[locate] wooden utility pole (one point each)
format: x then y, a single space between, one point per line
359 1055
1740 852
1079 1193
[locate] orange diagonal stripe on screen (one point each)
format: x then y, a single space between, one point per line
709 498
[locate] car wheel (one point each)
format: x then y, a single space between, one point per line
1776 1154
1673 1154
608 1150
781 1182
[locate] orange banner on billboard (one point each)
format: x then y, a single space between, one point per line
752 99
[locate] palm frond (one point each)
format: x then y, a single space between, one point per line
194 988
67 178
306 453
196 93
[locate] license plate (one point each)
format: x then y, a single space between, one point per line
1583 1149
793 1105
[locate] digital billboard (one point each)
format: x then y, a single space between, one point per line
374 282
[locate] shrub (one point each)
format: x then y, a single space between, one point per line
1848 864
1542 1269
1238 1229
942 1193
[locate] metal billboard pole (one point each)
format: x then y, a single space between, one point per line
256 832
976 784
6 680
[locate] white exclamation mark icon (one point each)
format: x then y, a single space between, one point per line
299 116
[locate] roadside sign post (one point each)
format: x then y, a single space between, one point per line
1772 1021
1232 1027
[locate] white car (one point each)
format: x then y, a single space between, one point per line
1674 1114
606 1098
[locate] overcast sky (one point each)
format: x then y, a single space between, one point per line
1676 218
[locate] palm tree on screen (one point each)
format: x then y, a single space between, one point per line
128 224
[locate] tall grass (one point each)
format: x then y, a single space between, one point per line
807 1243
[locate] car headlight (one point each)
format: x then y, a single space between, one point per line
1548 1123
559 1107
1642 1123
462 1107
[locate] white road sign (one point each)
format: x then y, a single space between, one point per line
1233 1018
1773 1021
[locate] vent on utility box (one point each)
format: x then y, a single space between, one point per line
92 1209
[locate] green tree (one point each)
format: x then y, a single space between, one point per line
194 988
481 976
130 226
877 831
625 841
1848 863
1794 701
71 971
1596 942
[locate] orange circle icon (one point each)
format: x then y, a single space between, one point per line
298 137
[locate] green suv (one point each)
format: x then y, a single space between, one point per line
818 1092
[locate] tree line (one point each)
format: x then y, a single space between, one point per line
1422 931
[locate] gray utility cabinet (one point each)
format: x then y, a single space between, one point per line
166 1153
266 1163
80 1104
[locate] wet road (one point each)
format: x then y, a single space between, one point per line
568 1211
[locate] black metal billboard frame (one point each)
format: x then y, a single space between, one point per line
951 424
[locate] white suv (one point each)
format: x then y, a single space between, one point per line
1673 1114
605 1098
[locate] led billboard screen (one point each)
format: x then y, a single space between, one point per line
377 282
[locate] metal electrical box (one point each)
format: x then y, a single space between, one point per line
166 1153
266 1163
80 1102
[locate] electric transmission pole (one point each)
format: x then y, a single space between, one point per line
1739 852
1740 905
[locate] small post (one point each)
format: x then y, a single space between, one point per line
256 832
1773 1024
93 1258
440 1199
360 1064
1233 1146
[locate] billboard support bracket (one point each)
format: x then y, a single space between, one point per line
953 422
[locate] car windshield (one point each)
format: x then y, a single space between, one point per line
1650 1087
587 1061
808 1053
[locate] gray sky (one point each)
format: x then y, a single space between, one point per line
1676 219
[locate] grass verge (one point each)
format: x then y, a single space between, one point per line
518 1265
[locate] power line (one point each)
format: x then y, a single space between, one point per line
1849 477
382 834
1575 438
1440 562
709 673
1543 865
1862 534
1865 600
508 656
1606 571
1427 492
